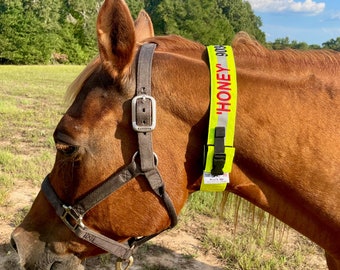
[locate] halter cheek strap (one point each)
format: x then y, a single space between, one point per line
143 122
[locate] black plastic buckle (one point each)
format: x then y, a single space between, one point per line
219 155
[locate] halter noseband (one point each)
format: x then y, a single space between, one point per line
143 121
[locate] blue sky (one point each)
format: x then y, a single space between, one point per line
311 21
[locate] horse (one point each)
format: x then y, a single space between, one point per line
286 140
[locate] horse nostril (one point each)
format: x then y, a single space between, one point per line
13 244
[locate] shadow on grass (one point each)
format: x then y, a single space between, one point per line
153 257
9 260
147 257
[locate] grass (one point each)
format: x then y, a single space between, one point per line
31 104
245 237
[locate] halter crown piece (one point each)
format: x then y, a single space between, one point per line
219 152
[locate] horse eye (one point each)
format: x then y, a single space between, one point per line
67 150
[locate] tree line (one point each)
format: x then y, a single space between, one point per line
63 31
47 31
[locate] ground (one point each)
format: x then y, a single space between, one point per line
180 248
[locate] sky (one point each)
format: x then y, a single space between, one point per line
310 21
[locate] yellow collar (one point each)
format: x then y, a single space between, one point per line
220 151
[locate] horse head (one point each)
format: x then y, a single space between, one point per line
95 139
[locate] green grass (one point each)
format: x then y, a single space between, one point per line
31 104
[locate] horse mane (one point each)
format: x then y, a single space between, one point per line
317 59
242 44
175 43
75 87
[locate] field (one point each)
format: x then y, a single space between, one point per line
31 104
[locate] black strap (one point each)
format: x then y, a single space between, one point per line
147 115
103 191
144 105
219 155
74 223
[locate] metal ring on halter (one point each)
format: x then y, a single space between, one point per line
154 155
119 264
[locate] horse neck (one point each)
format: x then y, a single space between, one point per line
286 132
274 98
286 100
286 127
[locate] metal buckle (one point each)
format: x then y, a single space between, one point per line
119 263
73 214
140 128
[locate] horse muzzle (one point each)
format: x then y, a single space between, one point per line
34 254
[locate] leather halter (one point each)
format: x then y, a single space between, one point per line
144 120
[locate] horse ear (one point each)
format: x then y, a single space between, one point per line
116 37
143 26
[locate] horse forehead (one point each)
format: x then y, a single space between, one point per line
96 94
91 114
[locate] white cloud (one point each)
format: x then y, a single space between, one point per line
306 6
335 16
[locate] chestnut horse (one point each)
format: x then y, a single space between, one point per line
287 141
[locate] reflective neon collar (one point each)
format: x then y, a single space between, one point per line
220 152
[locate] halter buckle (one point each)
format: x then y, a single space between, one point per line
152 115
70 215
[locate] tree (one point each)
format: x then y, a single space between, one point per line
47 11
333 44
34 31
279 44
314 47
24 38
78 21
299 45
284 43
242 18
135 6
48 31
199 20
